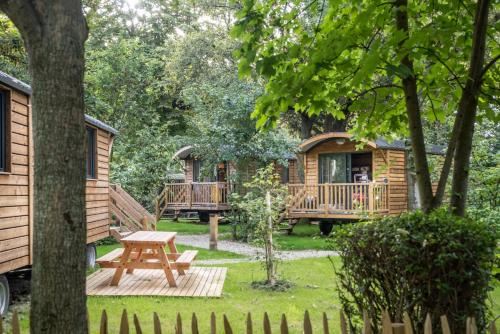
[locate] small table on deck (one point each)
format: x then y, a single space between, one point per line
149 253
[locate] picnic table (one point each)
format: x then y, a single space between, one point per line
146 250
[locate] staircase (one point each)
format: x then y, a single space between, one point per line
127 215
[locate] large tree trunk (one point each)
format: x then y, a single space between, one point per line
306 125
414 118
468 108
54 34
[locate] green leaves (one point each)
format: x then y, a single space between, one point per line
318 58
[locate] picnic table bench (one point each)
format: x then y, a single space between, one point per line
146 250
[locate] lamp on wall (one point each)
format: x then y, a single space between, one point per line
340 141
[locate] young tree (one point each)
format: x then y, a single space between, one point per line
54 33
397 64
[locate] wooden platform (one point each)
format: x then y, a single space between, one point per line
198 282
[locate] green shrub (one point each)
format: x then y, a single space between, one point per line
415 263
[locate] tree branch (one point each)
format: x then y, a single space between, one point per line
490 63
25 16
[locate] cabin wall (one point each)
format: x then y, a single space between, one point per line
312 157
15 187
390 165
293 172
188 170
97 191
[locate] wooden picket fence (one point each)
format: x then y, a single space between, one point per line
387 326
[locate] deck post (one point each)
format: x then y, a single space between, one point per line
370 197
217 194
327 197
214 227
190 194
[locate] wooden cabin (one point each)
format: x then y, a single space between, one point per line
345 181
16 177
209 193
342 179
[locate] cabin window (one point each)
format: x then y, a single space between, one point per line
91 152
4 128
285 174
334 168
197 165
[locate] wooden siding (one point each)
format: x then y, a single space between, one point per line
312 157
188 170
293 172
390 165
97 192
15 189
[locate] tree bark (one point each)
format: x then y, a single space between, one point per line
306 126
468 107
414 117
54 33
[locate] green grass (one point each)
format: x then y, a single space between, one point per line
184 226
203 254
305 236
314 290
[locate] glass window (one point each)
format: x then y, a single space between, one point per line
91 153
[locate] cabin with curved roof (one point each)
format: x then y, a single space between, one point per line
349 179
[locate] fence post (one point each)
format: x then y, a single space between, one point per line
227 326
326 329
307 323
104 323
284 324
213 324
194 324
267 324
178 325
16 329
157 324
124 329
214 226
138 329
249 324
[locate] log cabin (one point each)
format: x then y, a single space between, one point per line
16 181
348 179
207 193
333 178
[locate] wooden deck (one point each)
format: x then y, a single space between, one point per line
198 282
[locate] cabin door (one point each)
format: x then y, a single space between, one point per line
334 168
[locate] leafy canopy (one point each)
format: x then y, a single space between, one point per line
319 56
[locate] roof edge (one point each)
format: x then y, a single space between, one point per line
19 85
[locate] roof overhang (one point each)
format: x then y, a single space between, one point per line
312 142
183 153
16 84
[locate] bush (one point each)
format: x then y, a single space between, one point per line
415 263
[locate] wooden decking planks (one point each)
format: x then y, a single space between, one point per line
198 282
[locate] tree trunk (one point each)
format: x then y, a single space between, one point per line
54 34
330 124
270 261
468 105
306 125
414 117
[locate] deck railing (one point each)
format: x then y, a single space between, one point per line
195 195
338 198
324 199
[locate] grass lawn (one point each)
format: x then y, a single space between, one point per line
314 291
305 236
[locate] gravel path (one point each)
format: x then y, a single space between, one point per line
253 252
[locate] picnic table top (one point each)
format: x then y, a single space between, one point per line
149 237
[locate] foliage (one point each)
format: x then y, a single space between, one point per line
13 58
395 65
436 263
261 207
320 56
